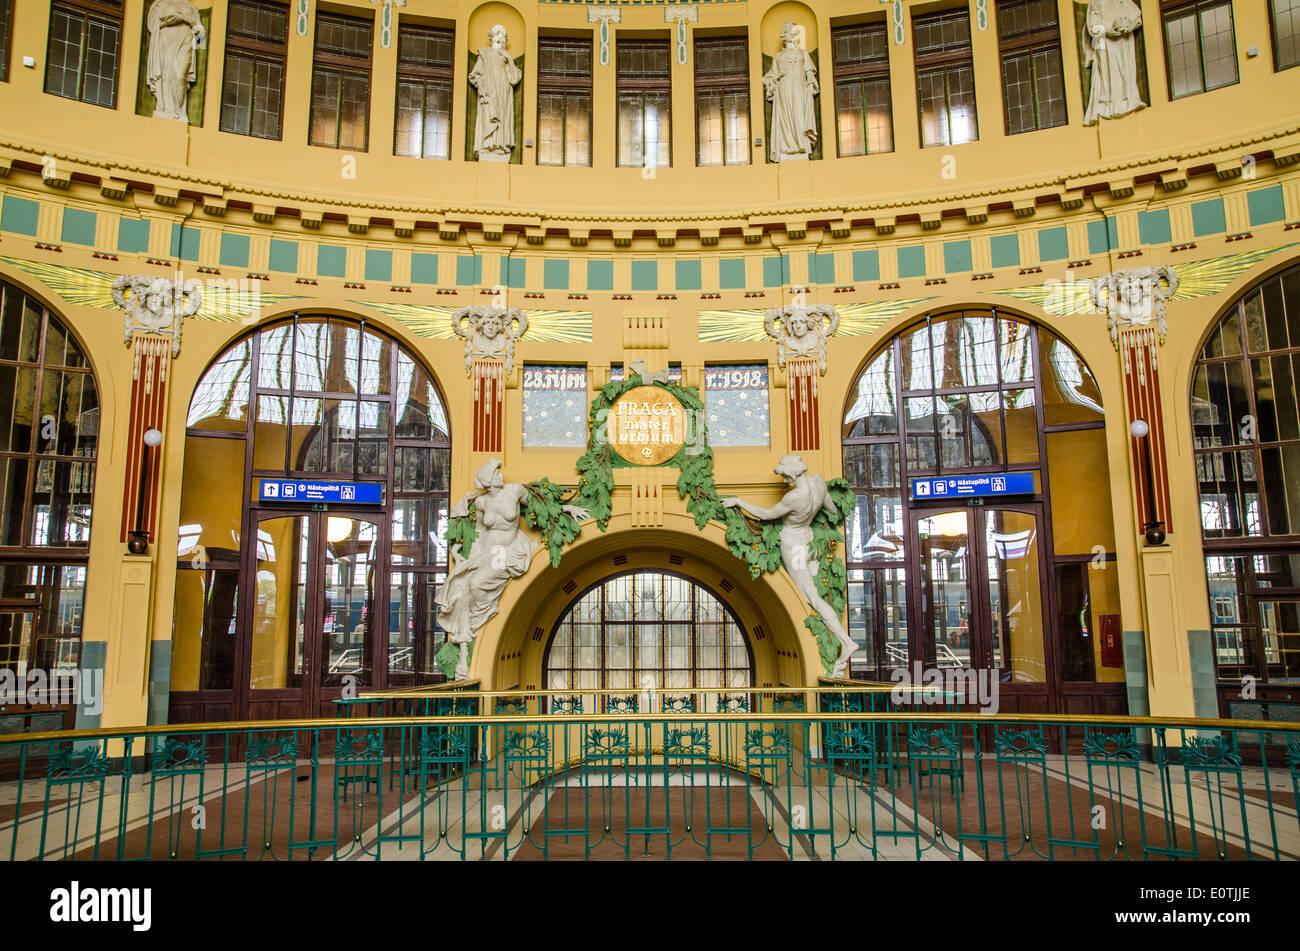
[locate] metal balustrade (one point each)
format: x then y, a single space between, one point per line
834 772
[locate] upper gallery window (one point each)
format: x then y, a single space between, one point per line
340 83
722 101
424 73
252 91
945 78
1033 85
1199 47
644 104
84 47
6 19
563 101
862 104
1286 33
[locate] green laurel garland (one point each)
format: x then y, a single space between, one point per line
754 542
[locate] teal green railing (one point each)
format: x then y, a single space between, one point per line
837 772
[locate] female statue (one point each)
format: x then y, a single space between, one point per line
1110 49
175 33
494 76
790 86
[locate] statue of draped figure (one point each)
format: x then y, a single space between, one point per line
1110 49
175 33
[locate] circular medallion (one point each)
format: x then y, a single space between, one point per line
646 425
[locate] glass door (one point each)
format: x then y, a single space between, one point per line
311 616
980 586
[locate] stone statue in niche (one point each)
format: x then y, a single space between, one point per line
1110 49
806 497
1135 298
489 333
494 76
175 35
801 331
790 86
156 305
472 592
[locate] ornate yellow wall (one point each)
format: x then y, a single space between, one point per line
1206 183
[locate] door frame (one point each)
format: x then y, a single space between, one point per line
978 603
312 698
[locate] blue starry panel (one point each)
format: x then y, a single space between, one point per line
735 405
555 405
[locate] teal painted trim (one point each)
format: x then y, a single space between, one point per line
78 226
513 272
284 256
132 235
469 270
776 271
645 275
690 275
600 275
331 261
185 243
1135 673
957 257
424 268
19 215
731 274
1208 217
160 675
911 262
821 268
1153 227
1266 206
866 265
379 265
1053 244
1004 250
94 657
234 250
555 274
1098 236
1200 652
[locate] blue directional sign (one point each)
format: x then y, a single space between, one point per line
317 490
973 486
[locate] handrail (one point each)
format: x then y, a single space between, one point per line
859 687
334 723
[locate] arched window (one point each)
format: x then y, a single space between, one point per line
282 601
1246 434
49 434
1003 582
648 628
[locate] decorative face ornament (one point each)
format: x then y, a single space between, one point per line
801 331
1135 298
489 333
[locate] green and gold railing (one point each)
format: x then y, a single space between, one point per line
839 771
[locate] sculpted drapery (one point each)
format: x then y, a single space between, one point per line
175 32
790 85
494 76
1110 49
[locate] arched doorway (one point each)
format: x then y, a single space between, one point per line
280 601
1246 437
645 630
1019 584
49 439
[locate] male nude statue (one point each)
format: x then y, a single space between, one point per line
808 495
